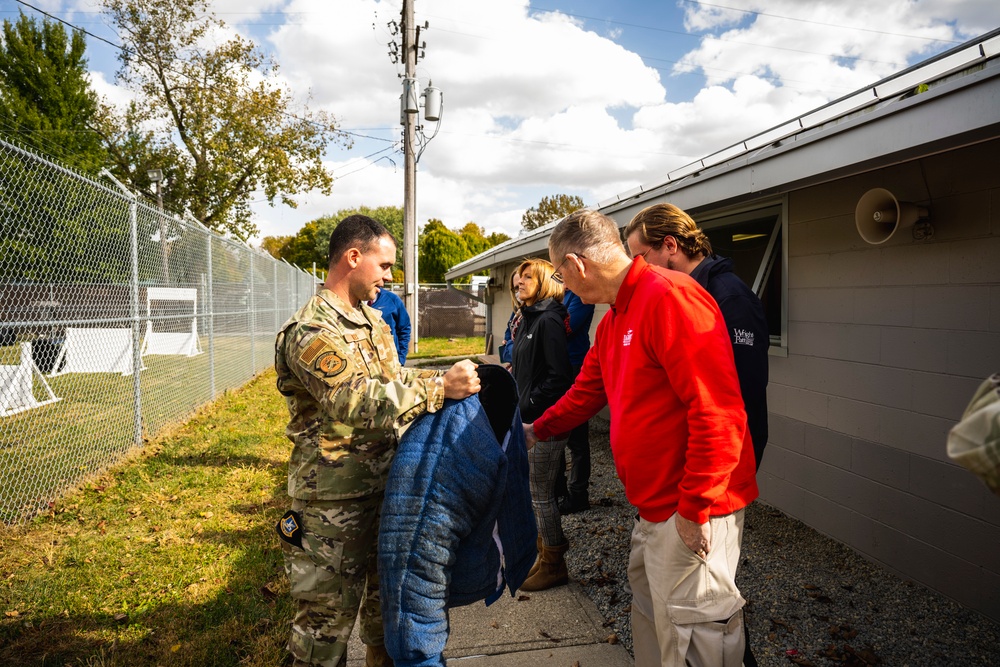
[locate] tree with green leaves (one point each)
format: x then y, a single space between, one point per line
391 217
52 228
440 249
311 243
550 209
475 238
210 114
46 102
272 245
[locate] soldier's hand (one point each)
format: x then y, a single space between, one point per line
461 380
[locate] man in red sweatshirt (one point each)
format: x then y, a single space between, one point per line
663 363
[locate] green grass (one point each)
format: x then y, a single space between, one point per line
47 450
169 559
448 347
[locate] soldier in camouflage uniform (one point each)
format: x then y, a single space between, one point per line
349 400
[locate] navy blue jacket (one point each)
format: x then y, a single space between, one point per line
507 347
395 315
580 317
747 325
457 494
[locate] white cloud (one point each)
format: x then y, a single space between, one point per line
527 98
113 94
380 184
818 46
782 58
535 102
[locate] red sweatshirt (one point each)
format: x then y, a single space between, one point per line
663 363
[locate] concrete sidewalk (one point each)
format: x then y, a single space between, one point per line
555 627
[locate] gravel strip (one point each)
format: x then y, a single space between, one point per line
811 600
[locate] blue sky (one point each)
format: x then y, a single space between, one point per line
588 97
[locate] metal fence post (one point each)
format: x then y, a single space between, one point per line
211 319
136 336
133 214
250 314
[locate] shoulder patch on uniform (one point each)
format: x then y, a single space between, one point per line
313 349
330 364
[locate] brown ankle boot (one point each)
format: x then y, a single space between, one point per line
377 656
538 559
551 570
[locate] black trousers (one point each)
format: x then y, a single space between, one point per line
579 449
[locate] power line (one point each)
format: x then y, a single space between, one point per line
768 77
551 144
720 39
67 23
823 23
370 155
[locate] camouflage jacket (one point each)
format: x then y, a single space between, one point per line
348 397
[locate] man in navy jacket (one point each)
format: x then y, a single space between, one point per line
395 315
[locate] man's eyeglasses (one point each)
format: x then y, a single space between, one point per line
556 276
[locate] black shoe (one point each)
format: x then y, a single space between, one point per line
574 503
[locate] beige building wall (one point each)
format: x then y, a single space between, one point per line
886 345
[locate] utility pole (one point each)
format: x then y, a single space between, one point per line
413 139
410 119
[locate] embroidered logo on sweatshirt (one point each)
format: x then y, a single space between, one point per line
627 339
742 337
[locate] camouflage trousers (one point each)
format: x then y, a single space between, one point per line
333 577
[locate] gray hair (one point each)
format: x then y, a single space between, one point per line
588 233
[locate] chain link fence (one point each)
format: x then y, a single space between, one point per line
449 312
116 320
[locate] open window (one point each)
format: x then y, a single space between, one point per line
754 240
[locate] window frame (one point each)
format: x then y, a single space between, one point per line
774 251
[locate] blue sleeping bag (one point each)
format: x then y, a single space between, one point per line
457 523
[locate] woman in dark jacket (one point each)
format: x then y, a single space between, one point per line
543 373
507 347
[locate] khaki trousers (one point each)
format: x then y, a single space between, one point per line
686 610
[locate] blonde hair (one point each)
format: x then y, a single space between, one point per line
513 290
588 233
542 271
655 223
